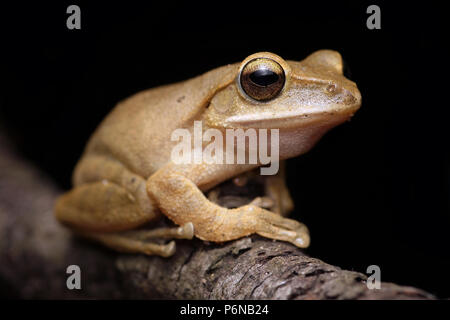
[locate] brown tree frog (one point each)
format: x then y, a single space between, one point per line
126 179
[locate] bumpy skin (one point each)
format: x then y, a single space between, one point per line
125 177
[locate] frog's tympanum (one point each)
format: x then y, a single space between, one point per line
126 178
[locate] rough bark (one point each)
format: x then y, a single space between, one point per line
35 252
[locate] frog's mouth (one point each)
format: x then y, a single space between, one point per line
289 119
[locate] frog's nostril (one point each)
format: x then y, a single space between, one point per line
331 88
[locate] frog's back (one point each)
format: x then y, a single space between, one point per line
137 132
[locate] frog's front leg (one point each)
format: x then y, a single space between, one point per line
107 202
176 190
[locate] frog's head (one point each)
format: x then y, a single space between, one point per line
303 99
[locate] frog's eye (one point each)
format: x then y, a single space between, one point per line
262 79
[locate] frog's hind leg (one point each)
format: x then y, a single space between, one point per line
107 197
110 201
127 244
186 231
134 241
101 207
101 211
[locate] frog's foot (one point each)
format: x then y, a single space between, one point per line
186 231
128 244
134 241
274 226
263 202
277 190
249 219
213 195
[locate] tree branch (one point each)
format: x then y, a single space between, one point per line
35 252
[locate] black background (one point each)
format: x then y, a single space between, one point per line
375 190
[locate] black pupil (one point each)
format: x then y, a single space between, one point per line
263 77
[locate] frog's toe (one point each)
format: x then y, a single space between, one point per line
263 202
186 231
303 239
167 250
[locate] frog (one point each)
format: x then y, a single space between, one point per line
126 179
